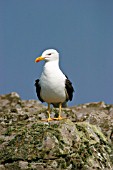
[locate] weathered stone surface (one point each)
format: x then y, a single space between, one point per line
82 141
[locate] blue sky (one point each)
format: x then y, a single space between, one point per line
82 32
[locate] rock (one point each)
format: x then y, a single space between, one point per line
23 165
2 167
82 141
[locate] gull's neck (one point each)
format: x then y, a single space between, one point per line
51 68
51 64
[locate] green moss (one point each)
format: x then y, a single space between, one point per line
78 144
8 131
1 140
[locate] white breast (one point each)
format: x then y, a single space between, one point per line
52 83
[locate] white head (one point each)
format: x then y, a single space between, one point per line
48 55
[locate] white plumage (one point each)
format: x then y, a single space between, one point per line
53 86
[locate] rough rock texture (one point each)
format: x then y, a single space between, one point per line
82 141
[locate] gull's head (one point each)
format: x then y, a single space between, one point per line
48 55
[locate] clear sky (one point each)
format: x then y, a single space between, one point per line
82 32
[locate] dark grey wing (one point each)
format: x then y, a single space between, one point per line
69 89
38 89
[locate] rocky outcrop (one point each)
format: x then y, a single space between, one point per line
84 140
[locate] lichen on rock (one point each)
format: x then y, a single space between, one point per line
78 142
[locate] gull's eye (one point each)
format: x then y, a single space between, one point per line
49 54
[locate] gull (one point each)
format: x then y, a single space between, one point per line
53 87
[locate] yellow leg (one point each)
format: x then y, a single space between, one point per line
49 118
60 110
48 111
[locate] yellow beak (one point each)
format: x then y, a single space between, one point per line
39 59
